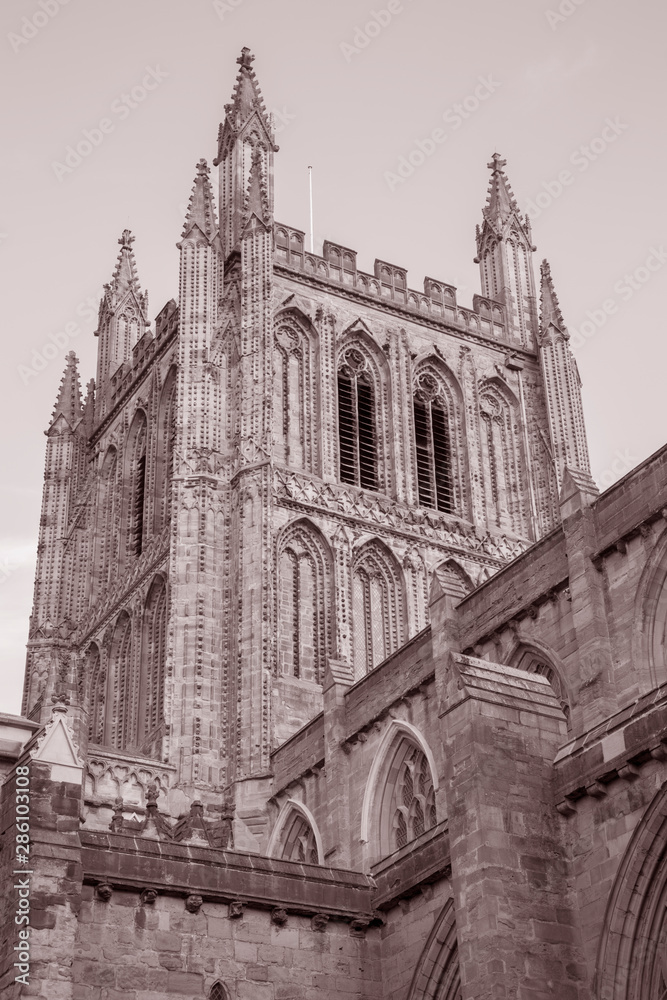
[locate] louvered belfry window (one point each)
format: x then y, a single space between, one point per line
356 422
433 444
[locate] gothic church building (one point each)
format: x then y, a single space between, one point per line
342 678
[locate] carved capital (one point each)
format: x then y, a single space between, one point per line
319 922
279 916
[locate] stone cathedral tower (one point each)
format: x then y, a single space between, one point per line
265 481
342 680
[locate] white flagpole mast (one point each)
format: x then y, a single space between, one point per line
310 183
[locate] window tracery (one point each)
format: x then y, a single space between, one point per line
413 801
218 992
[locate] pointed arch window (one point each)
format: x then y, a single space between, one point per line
502 450
137 495
96 698
378 611
296 397
107 518
408 803
433 444
304 626
218 992
125 687
155 656
165 454
298 841
357 431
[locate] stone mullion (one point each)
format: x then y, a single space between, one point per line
328 419
411 486
473 462
342 549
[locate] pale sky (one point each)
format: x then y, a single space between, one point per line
569 89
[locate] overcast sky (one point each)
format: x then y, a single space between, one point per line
570 92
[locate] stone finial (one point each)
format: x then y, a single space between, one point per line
246 58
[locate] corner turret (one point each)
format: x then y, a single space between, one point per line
246 145
504 255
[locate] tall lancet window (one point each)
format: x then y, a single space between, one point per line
304 624
378 607
503 460
125 686
433 443
165 452
137 485
95 678
155 643
356 422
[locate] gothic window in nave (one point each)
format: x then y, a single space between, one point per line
433 444
408 807
298 841
357 422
